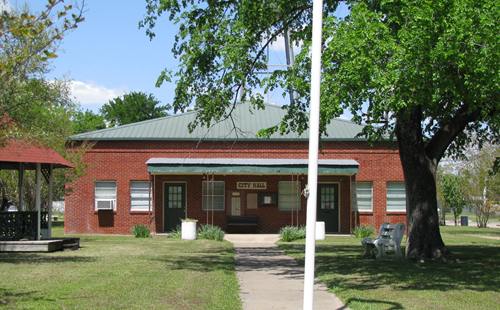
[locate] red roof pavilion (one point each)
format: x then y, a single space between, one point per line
21 155
15 152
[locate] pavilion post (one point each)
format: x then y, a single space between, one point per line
21 187
51 184
38 199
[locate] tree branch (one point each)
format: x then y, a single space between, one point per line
449 130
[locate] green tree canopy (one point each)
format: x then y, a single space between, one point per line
132 107
35 107
32 107
87 120
425 72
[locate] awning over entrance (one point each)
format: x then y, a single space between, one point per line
248 166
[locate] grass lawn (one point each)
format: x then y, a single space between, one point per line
121 272
495 217
470 281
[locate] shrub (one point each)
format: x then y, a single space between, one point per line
210 232
291 233
176 233
141 231
363 231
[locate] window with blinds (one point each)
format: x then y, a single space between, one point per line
140 199
105 195
288 195
364 196
396 197
213 195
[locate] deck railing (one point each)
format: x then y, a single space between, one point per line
21 225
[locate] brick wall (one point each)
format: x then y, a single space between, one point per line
125 161
271 218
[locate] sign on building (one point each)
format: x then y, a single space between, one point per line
251 185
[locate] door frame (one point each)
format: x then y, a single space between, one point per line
163 198
231 201
340 201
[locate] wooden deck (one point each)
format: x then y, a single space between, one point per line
40 245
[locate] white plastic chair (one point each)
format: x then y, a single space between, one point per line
388 240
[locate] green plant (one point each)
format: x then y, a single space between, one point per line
453 194
362 231
291 233
210 232
176 233
141 231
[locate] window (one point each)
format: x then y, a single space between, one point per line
212 193
175 195
328 195
140 196
105 195
288 195
396 197
364 196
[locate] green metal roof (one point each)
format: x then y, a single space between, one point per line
237 169
249 166
249 121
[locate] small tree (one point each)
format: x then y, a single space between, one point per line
453 196
483 182
439 192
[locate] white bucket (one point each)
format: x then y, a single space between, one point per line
320 230
188 230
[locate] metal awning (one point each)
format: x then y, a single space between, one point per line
249 166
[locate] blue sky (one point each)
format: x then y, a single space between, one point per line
109 55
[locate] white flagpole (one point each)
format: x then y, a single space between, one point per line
312 174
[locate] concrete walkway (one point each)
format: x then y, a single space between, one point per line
271 280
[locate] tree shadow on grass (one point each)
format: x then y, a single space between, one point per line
10 298
390 305
474 267
269 259
36 258
199 261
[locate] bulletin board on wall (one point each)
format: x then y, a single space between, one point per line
267 199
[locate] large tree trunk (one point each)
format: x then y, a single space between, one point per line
424 238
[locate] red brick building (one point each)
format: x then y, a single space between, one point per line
156 172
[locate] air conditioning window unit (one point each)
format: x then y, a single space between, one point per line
105 204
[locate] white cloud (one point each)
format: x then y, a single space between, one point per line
88 93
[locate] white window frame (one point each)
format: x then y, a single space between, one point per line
113 199
280 201
132 209
387 197
371 197
205 208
